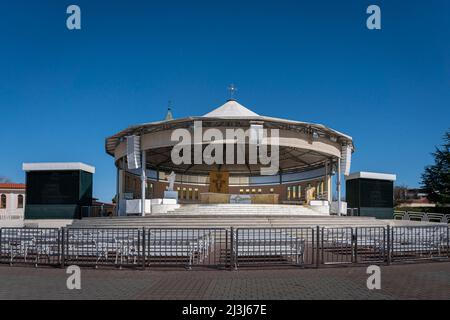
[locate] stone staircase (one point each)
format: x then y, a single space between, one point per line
244 209
230 215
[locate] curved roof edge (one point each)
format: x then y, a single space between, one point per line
231 110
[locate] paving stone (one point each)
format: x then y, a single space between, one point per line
411 281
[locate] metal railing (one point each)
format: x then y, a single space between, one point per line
30 246
371 244
103 246
264 246
422 216
419 243
187 247
336 245
345 245
223 247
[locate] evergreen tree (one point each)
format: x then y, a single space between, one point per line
436 178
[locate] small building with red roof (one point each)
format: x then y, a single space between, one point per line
12 200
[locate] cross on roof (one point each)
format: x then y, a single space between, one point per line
232 88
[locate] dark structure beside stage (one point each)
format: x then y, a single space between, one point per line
57 190
372 194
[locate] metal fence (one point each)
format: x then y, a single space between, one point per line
223 247
371 244
419 243
422 216
345 245
336 245
187 247
383 244
105 246
270 246
30 246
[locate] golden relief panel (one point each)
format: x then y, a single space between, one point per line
219 181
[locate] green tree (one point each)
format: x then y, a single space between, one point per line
436 178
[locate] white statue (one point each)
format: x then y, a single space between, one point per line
171 179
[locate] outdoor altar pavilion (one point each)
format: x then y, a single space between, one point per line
309 156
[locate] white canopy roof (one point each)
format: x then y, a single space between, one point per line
231 108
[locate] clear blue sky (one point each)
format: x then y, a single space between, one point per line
62 92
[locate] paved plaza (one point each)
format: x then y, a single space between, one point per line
414 281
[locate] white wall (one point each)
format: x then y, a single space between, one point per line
11 211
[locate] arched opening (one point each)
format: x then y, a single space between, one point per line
3 201
20 201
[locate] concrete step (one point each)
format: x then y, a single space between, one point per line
262 223
226 224
227 218
231 215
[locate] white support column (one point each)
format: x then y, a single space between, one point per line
338 183
330 181
143 182
325 181
120 186
118 181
